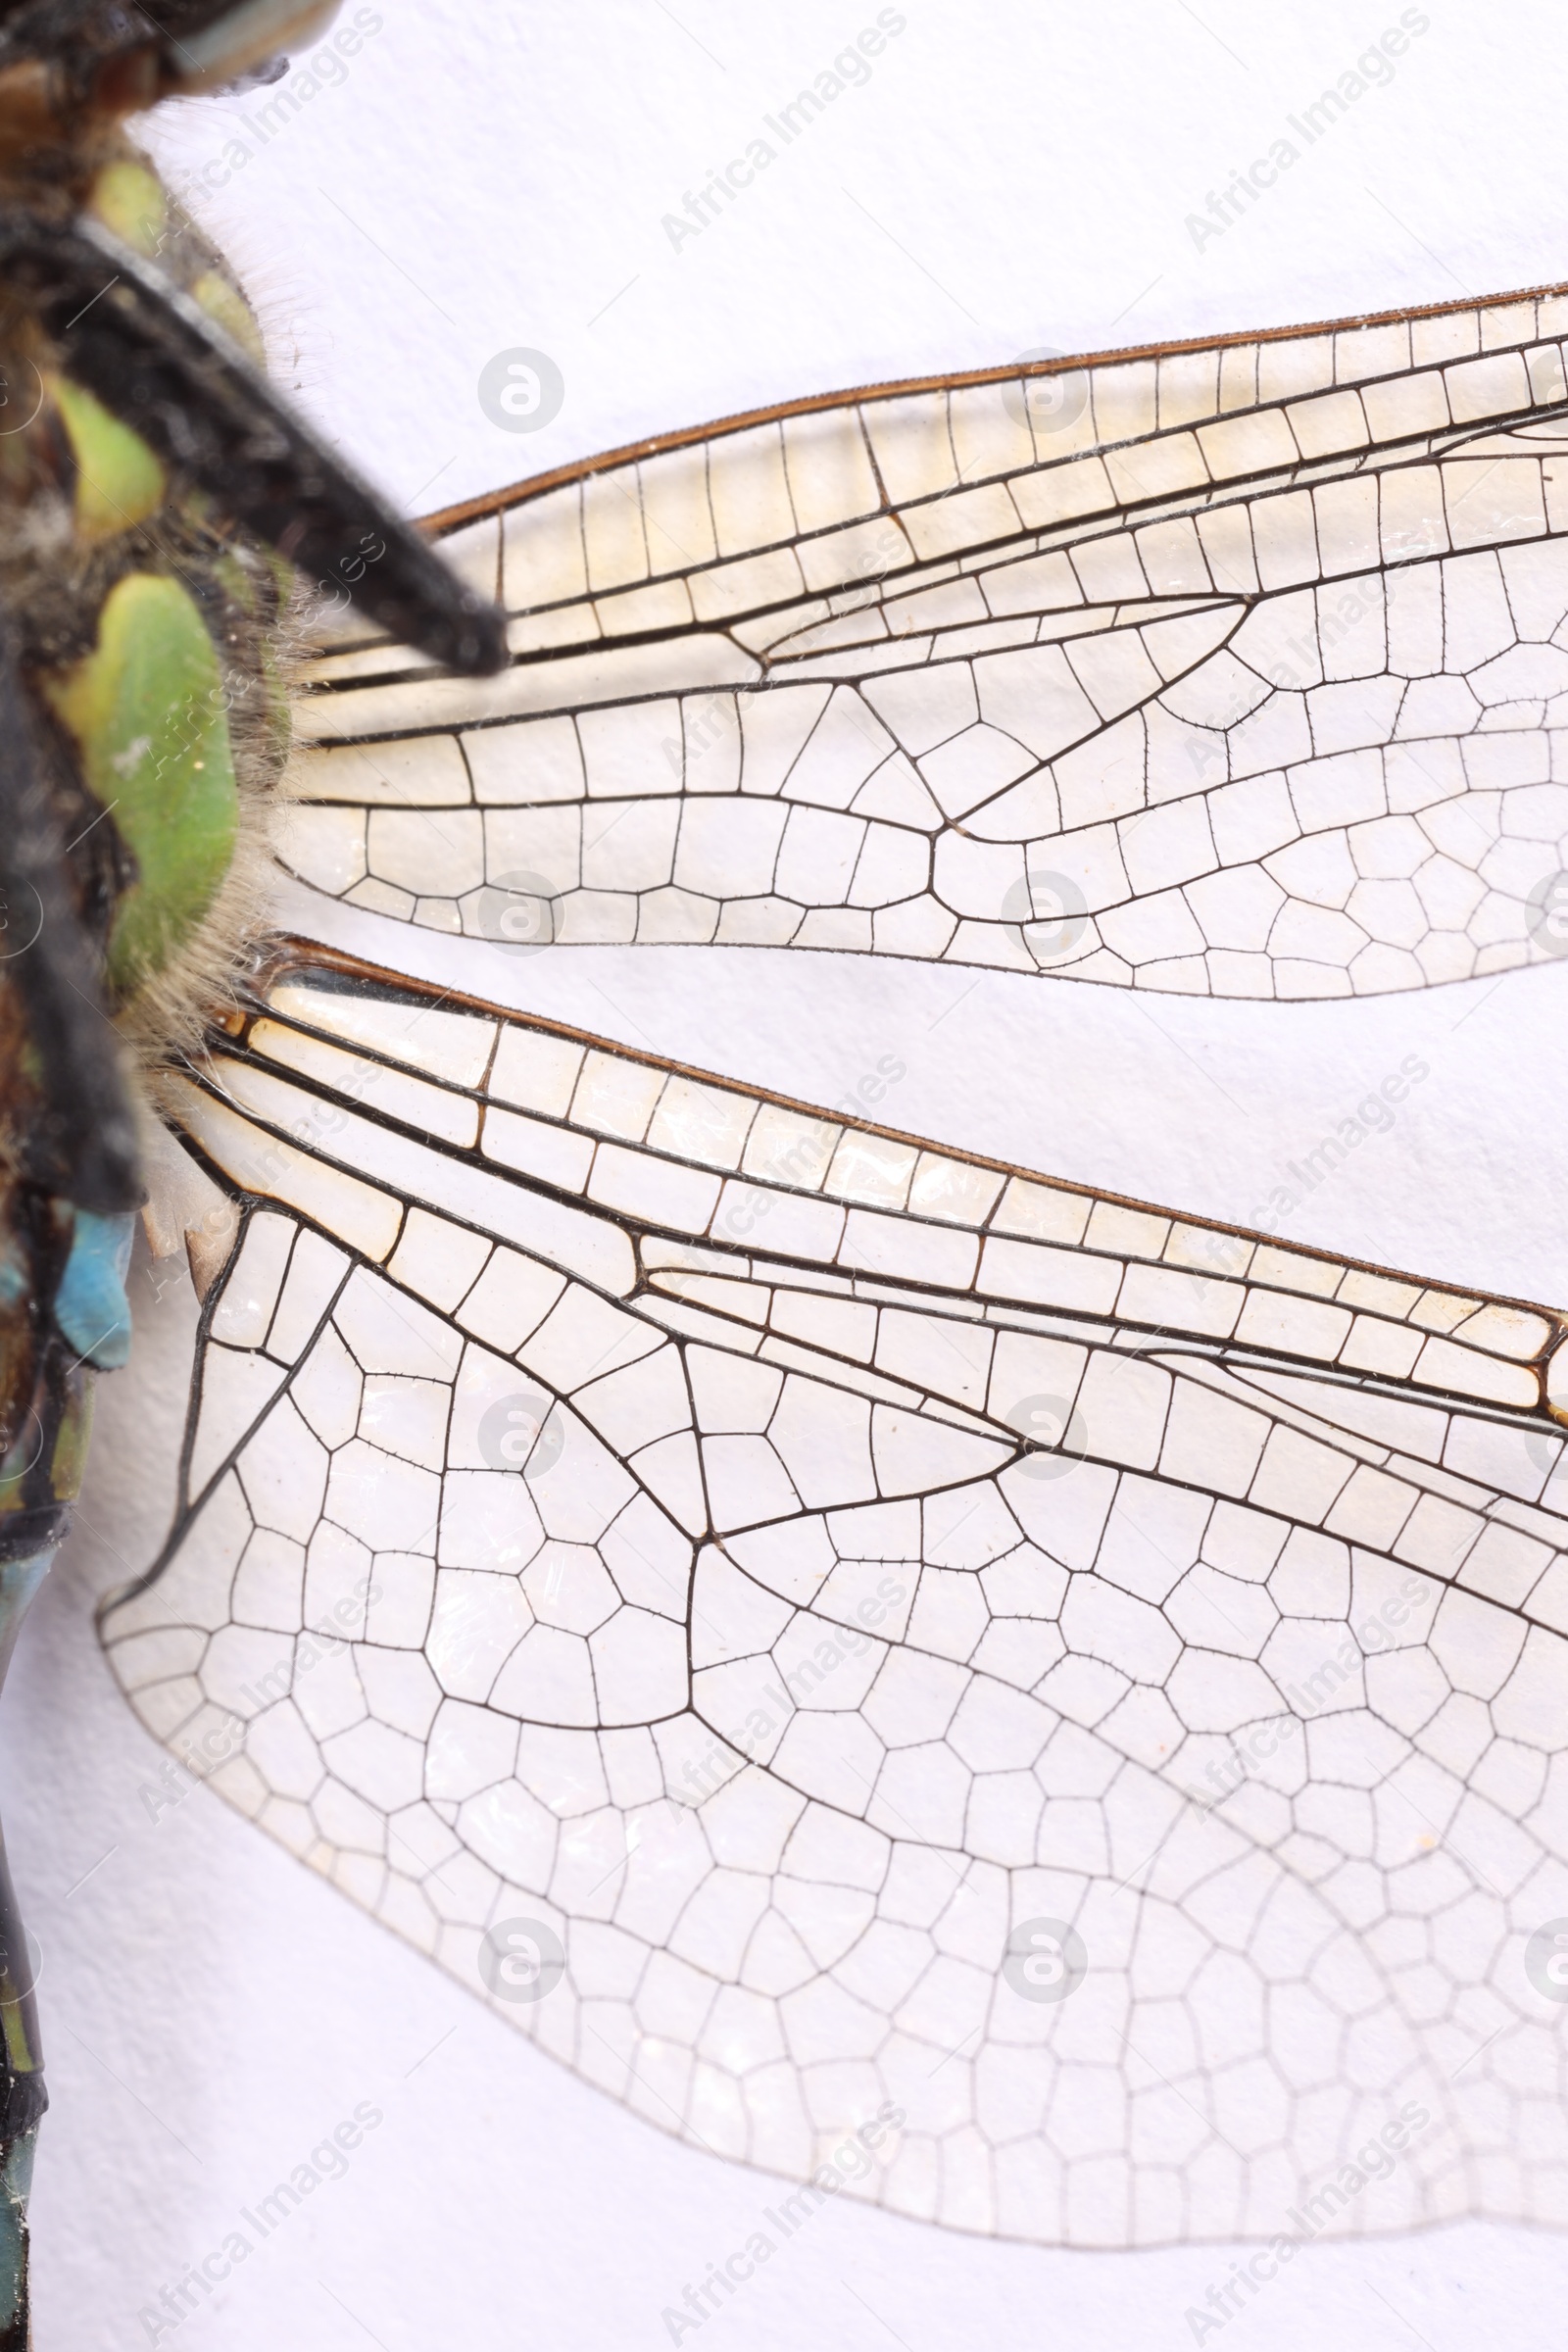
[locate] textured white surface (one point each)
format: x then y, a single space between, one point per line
211 2011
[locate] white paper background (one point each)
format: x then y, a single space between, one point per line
1013 177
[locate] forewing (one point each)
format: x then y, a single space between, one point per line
854 1646
1230 668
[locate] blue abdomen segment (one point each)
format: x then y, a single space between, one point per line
91 1307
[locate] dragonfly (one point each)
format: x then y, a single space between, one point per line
159 500
1032 1708
1027 1708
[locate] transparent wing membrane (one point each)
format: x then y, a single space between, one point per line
848 1644
883 1634
1233 669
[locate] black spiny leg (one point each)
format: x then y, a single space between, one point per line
87 1150
156 360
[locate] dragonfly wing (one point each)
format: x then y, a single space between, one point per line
1054 1712
1228 669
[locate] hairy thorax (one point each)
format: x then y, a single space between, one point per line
147 627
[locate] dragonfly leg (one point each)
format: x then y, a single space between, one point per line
86 1148
158 362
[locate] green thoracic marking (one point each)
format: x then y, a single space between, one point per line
129 199
148 711
69 1461
118 480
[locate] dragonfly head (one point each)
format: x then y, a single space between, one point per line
120 57
201 46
